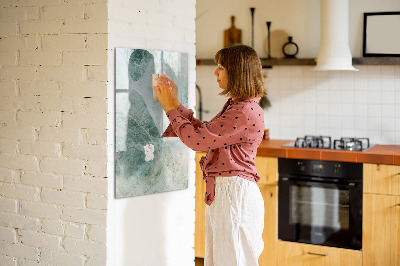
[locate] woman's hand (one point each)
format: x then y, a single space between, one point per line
164 96
174 89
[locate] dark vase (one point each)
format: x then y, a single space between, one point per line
290 49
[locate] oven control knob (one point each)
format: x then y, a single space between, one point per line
336 169
302 167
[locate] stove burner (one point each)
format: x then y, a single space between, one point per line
308 141
324 142
351 144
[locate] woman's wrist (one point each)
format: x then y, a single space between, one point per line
176 104
168 108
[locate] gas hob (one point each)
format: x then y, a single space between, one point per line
325 142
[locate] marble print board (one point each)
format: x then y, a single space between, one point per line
145 163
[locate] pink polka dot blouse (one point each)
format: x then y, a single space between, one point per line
231 139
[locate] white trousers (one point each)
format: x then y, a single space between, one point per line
234 223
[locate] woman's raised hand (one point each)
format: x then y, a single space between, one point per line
174 89
164 95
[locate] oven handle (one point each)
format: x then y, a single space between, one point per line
297 181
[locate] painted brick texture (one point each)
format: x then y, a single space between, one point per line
53 111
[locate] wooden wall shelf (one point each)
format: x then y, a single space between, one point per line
312 61
376 61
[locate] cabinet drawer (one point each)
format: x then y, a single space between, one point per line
297 254
381 179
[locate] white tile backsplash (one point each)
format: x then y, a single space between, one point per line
387 124
361 124
361 110
310 109
387 71
347 110
397 95
374 110
335 95
388 83
397 111
388 97
374 97
397 123
348 96
322 121
374 123
375 136
322 95
387 110
374 83
364 103
348 132
348 123
397 72
390 136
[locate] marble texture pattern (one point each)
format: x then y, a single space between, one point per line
145 163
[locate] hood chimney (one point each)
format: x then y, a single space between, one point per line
334 51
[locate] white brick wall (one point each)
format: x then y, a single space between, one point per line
53 110
53 126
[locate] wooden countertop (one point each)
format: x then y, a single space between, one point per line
379 154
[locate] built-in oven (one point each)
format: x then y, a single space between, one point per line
320 202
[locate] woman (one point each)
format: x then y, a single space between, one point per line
235 207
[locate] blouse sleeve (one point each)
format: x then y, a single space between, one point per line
186 113
225 130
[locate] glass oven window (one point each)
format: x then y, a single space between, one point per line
318 207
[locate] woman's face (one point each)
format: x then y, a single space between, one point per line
222 76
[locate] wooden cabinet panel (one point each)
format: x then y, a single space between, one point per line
297 254
200 207
267 168
270 233
381 179
381 230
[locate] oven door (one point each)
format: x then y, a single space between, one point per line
321 212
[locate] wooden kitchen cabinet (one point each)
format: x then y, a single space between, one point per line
381 179
381 230
298 254
267 168
381 215
200 207
270 233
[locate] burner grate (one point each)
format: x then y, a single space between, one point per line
324 142
320 142
351 144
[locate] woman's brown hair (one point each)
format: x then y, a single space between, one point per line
245 78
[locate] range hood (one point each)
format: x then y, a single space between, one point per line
334 51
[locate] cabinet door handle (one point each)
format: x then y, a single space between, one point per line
398 204
318 254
